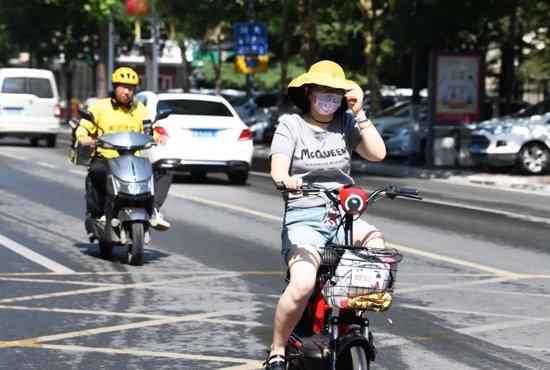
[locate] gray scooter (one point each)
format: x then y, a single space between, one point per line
129 194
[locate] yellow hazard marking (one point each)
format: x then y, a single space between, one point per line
141 352
143 285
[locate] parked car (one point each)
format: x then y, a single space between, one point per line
259 121
398 114
29 105
404 141
521 140
205 135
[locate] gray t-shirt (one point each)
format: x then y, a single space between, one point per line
324 157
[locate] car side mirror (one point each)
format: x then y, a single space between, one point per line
87 115
163 113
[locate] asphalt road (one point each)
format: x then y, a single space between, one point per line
473 288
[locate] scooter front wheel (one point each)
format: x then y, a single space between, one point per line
354 358
134 251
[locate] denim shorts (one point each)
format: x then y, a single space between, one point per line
311 226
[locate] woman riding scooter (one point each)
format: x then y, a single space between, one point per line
120 113
316 147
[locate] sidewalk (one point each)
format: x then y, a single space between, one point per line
501 179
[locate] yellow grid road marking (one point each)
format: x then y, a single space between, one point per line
69 282
256 364
116 287
122 327
122 314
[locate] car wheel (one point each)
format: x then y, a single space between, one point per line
50 141
238 177
534 159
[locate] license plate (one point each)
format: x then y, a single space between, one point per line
12 111
204 133
363 278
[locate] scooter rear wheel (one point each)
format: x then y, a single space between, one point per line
134 251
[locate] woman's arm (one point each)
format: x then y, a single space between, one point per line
372 145
280 165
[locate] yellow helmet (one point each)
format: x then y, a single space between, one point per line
125 75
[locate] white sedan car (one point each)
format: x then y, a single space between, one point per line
205 134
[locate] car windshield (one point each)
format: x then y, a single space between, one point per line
40 87
537 109
197 107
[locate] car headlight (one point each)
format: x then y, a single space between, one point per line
132 188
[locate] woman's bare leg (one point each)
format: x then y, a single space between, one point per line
366 235
303 262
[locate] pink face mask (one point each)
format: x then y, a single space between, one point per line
327 103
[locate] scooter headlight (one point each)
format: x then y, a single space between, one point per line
132 188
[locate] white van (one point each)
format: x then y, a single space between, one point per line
29 104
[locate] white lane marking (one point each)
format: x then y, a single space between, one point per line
502 325
229 206
527 348
261 174
517 216
454 261
492 187
505 292
47 165
33 256
425 288
469 312
14 156
77 172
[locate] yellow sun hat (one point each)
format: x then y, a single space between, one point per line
323 73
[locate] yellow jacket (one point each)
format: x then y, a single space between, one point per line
111 118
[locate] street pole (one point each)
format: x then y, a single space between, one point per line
414 111
431 110
249 77
110 52
154 50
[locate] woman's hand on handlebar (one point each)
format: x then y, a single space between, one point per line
87 141
293 182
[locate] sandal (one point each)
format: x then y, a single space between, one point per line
275 362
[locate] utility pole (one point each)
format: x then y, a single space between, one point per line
153 83
110 53
414 110
249 76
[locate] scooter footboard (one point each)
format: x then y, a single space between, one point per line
133 214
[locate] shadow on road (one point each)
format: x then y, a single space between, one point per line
119 253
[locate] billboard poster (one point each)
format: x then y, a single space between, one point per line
458 87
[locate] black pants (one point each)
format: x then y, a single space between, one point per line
97 177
